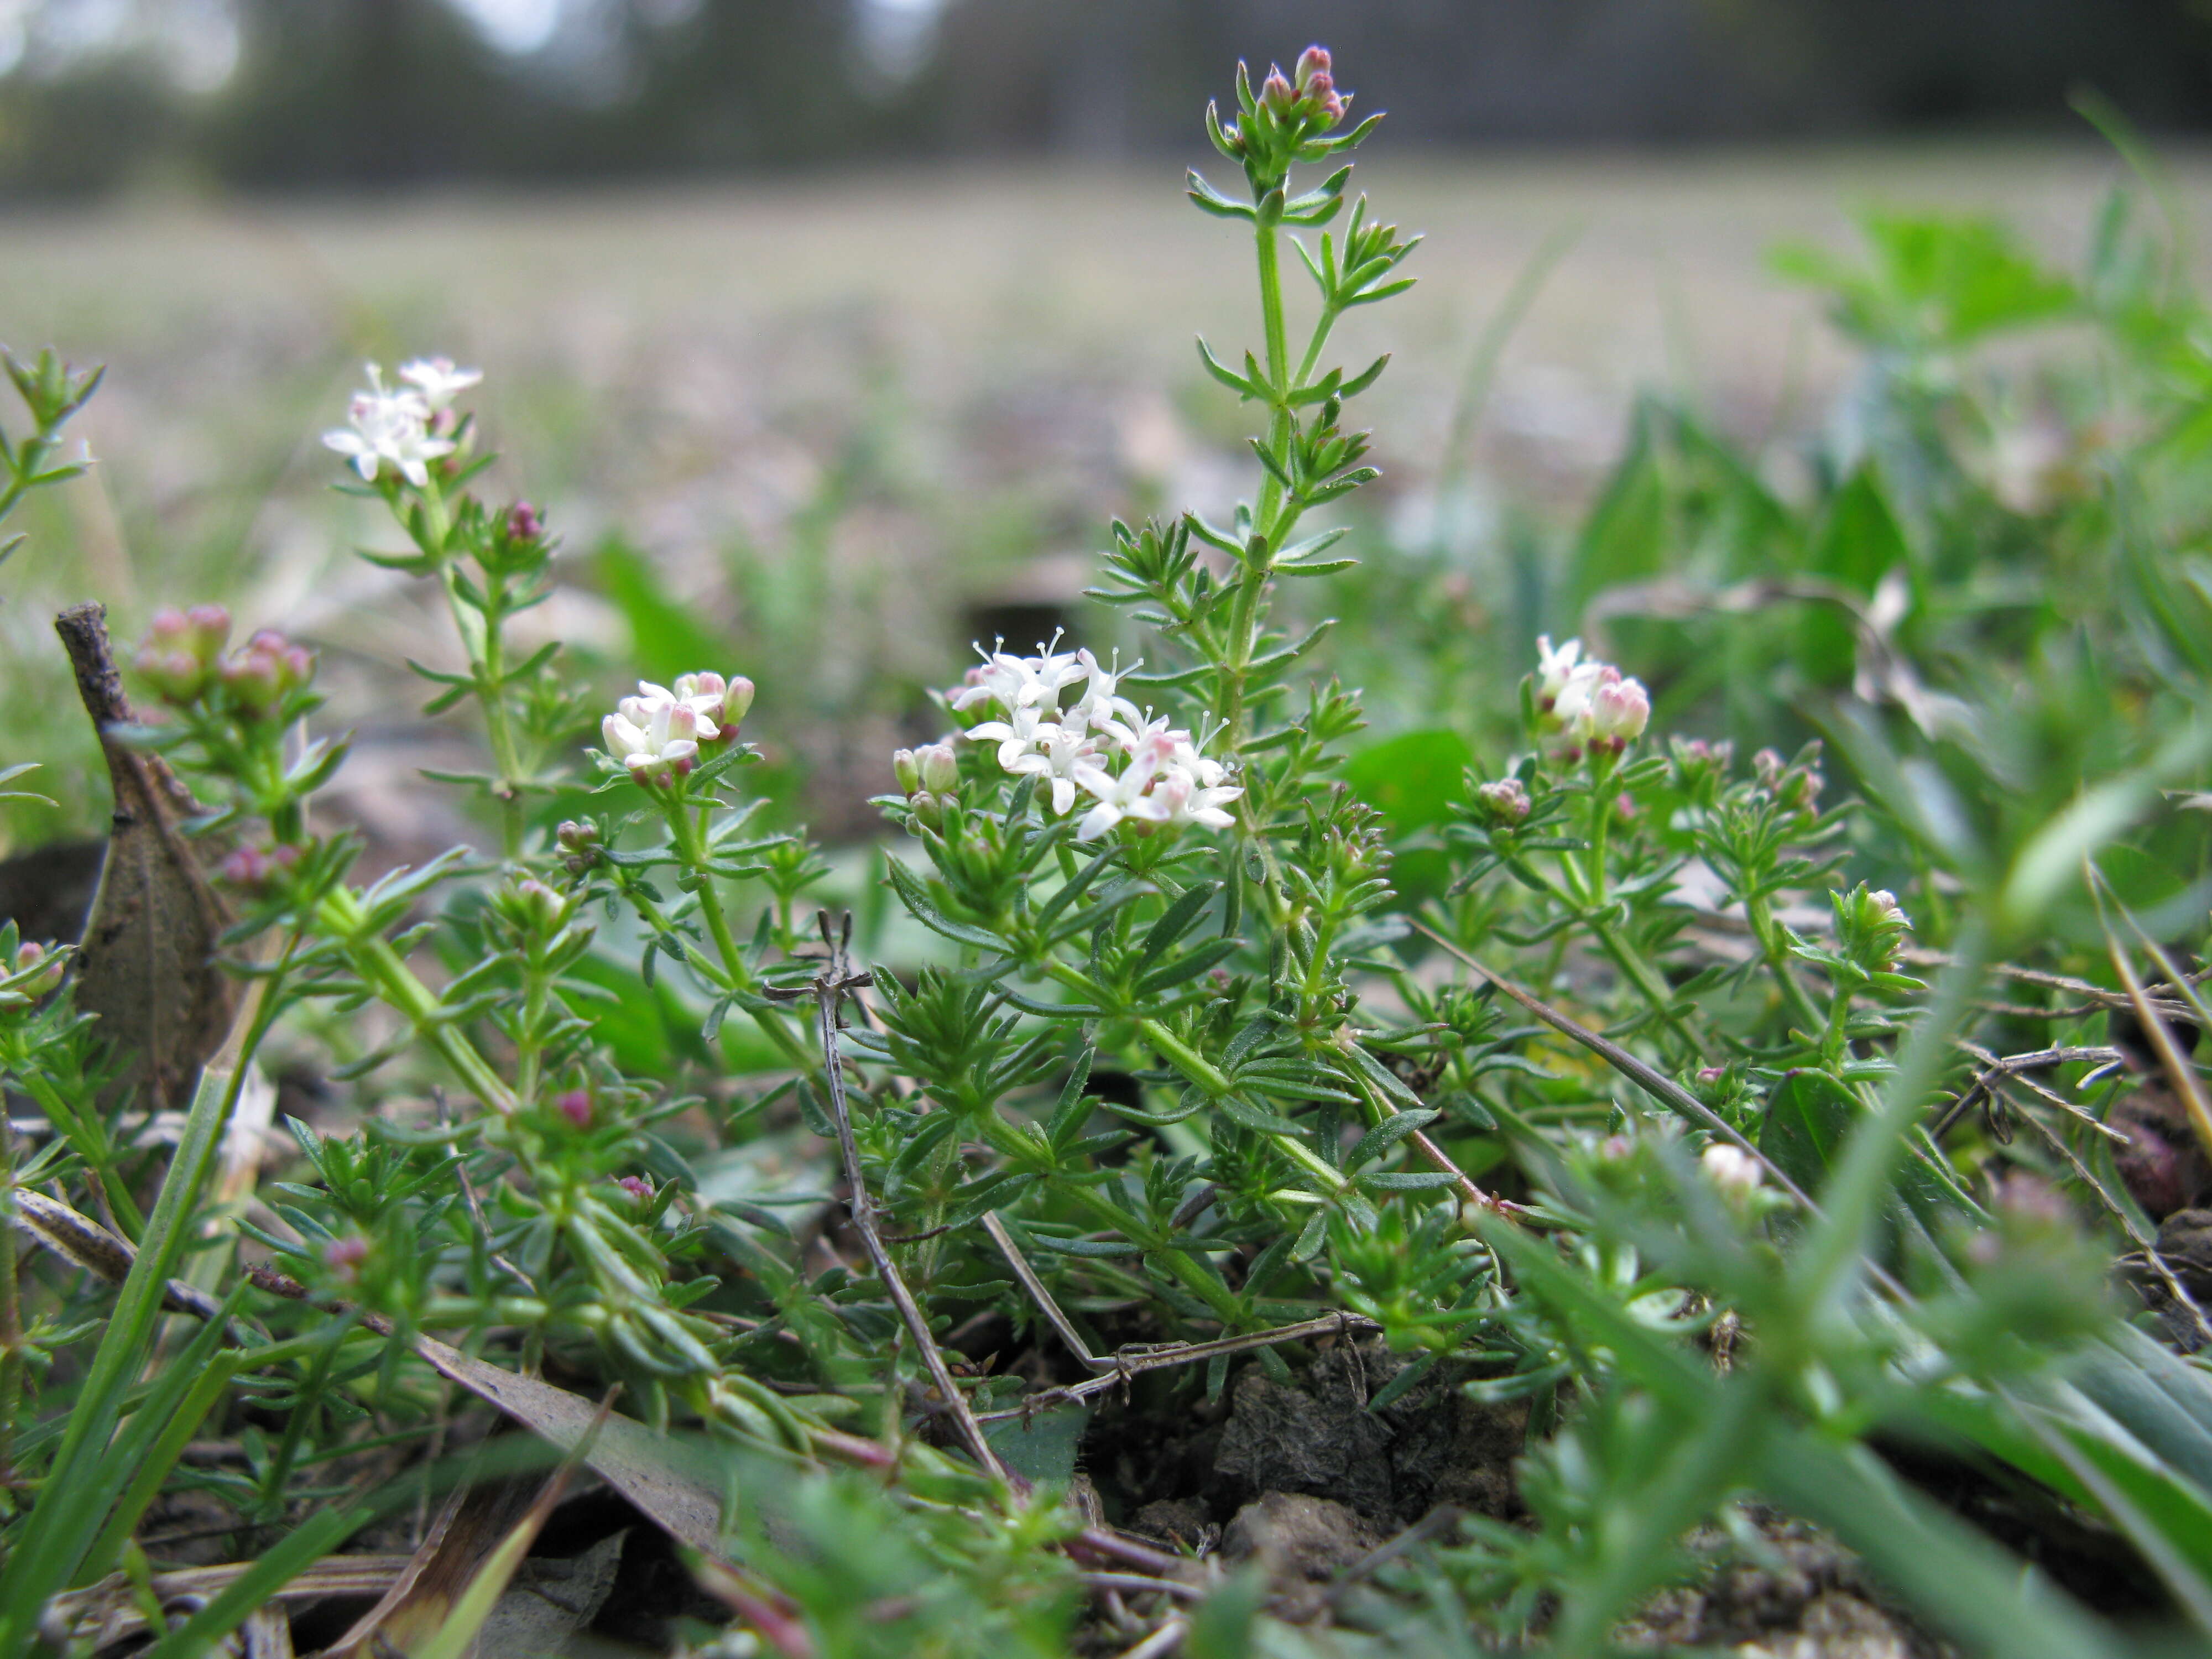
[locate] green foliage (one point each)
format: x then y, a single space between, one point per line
1204 1027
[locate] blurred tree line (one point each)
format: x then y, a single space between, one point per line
375 92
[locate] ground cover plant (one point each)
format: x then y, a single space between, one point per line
1694 1143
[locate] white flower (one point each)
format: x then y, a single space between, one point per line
1061 747
1118 798
1553 670
1025 727
655 737
1101 704
438 381
388 425
1166 782
1731 1168
1572 707
1015 682
1183 799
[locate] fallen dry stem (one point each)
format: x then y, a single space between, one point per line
828 989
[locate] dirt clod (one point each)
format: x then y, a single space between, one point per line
1432 1445
1802 1596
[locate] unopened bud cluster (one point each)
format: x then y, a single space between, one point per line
1871 927
1309 92
181 659
579 845
1795 785
32 971
1503 801
927 776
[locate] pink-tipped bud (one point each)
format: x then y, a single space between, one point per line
737 702
906 770
343 1257
1314 60
29 956
637 1187
927 808
523 523
940 767
209 629
1618 712
259 873
576 1105
1276 93
1505 800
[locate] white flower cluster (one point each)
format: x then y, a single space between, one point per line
1133 767
657 733
402 427
1592 702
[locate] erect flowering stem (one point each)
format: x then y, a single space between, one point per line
11 1315
1210 1077
387 973
1760 914
689 834
479 629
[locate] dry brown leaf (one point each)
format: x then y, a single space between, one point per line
146 965
108 1610
468 1526
641 1465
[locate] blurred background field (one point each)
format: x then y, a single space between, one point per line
824 400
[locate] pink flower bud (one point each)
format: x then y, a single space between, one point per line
576 1105
255 680
940 767
905 770
1734 1170
1506 800
1619 711
737 702
259 873
637 1187
1276 93
523 523
343 1257
1314 60
209 629
28 955
178 678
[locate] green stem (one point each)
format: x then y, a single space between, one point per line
388 974
1327 320
1760 914
88 1138
11 1316
1210 1078
1267 246
690 847
479 630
